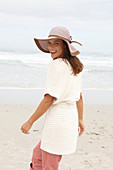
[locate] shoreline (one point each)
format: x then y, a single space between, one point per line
34 96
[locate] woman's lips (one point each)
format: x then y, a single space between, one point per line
53 52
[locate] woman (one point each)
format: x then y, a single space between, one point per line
62 102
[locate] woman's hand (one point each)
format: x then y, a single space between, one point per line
81 127
26 127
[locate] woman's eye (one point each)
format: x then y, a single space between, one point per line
56 42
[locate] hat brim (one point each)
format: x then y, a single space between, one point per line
42 44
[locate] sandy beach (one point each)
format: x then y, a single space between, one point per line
94 149
24 67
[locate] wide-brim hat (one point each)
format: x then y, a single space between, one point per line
59 33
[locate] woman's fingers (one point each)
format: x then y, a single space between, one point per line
25 128
24 131
82 127
81 132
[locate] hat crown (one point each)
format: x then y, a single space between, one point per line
61 32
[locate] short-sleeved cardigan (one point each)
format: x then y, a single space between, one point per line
60 129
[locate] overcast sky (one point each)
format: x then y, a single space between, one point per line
89 22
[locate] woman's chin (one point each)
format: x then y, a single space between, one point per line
53 56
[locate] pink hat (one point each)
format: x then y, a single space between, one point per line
61 33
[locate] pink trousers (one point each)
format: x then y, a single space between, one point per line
42 160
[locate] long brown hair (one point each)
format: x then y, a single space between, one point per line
74 61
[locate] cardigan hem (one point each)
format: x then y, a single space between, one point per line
58 153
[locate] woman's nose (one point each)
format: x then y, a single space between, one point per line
51 45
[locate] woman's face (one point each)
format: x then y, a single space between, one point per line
55 47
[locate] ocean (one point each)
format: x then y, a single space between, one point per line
28 71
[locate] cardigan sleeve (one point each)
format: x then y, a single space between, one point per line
78 88
56 80
80 82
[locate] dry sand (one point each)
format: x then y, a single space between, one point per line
94 149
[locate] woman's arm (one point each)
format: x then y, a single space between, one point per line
79 105
42 108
